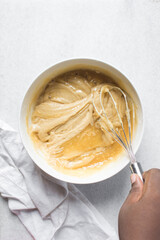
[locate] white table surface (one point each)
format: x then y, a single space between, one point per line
124 33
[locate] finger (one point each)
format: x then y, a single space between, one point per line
136 190
151 181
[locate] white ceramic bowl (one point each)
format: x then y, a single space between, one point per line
28 104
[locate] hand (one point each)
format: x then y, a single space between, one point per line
139 217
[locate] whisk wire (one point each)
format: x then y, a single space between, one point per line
119 117
128 116
119 140
125 142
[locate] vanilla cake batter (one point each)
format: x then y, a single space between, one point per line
66 128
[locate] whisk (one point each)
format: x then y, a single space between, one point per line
121 136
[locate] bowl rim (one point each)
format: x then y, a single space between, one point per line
64 177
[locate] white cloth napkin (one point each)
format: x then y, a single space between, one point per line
48 208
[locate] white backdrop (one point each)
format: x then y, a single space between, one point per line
35 34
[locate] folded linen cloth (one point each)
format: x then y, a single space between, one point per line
49 209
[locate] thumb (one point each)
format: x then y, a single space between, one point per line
136 190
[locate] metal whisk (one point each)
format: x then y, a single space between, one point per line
119 135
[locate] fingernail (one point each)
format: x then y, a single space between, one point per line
133 178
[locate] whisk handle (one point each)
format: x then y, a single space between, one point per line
136 168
